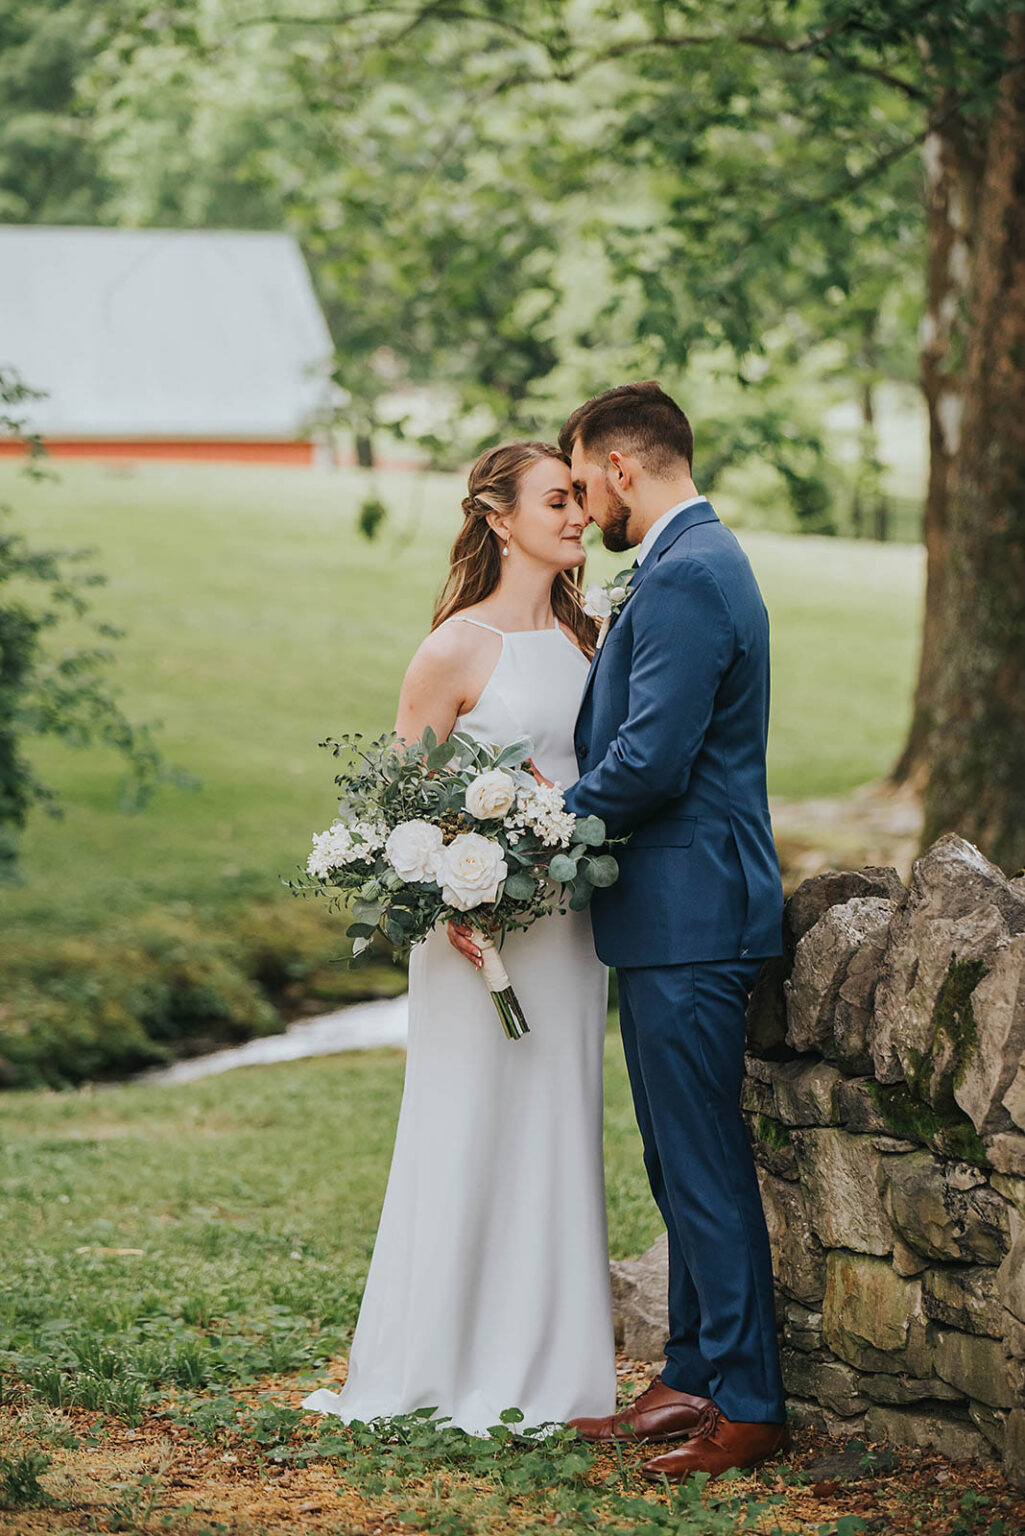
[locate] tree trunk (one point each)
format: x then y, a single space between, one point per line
953 172
976 749
364 450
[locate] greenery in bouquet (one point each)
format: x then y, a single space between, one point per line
428 831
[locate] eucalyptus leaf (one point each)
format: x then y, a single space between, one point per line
519 887
602 870
429 739
360 930
563 867
441 756
366 911
514 753
590 830
580 896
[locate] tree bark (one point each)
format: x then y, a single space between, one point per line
976 742
954 159
364 450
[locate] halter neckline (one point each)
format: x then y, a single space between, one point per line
550 629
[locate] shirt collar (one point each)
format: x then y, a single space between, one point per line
656 527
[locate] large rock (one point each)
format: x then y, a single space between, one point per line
904 1389
992 1422
766 1009
821 964
833 1385
998 1015
841 1176
1006 1153
941 942
1010 1280
1014 1448
957 1439
976 1366
773 1146
965 1298
859 1112
802 1326
806 1092
871 1317
946 1211
815 896
798 1261
1014 1098
640 1306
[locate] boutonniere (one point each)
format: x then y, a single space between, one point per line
604 599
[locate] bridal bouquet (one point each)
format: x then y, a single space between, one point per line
459 829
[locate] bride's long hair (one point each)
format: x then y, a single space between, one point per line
476 568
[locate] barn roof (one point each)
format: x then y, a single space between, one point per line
154 332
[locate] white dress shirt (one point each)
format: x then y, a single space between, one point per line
656 527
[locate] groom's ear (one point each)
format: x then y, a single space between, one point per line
620 468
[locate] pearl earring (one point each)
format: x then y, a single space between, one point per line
506 549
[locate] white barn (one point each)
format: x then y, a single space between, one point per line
158 343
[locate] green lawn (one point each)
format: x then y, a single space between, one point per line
253 1197
259 621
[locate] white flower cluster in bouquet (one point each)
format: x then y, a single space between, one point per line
541 809
344 844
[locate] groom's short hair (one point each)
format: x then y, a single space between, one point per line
639 419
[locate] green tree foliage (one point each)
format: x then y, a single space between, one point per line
49 692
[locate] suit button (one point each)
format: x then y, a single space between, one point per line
582 751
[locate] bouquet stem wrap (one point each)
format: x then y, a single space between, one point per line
504 998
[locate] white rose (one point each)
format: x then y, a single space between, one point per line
617 594
490 795
597 602
410 849
469 870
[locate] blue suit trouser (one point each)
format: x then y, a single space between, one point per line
683 1029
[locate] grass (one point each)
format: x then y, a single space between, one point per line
181 1264
259 621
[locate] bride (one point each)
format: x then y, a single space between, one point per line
489 1284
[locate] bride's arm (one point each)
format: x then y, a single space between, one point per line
434 692
434 687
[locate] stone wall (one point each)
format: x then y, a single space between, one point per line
885 1095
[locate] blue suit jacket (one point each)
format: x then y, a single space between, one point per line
670 742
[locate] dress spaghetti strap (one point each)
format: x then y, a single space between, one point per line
465 619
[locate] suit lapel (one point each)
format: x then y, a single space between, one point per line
700 512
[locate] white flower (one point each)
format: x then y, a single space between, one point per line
490 795
597 601
410 849
541 807
343 844
469 870
617 595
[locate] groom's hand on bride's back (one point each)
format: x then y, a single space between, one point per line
460 936
539 776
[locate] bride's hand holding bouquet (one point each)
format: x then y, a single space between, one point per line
456 831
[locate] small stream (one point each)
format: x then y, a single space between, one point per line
356 1027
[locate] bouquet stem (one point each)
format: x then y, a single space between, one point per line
507 1004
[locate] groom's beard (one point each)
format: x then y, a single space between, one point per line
614 534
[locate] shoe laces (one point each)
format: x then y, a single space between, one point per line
708 1423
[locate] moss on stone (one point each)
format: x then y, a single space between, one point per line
772 1132
953 1014
907 1115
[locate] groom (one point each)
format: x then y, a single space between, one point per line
670 743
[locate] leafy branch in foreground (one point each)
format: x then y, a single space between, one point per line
46 694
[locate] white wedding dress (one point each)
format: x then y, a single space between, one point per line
489 1283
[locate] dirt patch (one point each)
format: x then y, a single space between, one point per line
159 1476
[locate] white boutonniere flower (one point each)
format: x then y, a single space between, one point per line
603 600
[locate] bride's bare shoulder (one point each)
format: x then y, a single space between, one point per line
452 653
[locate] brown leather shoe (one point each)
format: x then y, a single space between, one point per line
717 1444
660 1413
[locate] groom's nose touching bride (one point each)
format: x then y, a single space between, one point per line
670 742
